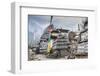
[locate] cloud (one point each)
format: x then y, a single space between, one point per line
36 26
67 22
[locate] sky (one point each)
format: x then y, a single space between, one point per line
38 23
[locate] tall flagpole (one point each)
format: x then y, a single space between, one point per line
51 20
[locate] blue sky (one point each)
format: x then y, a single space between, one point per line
37 24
